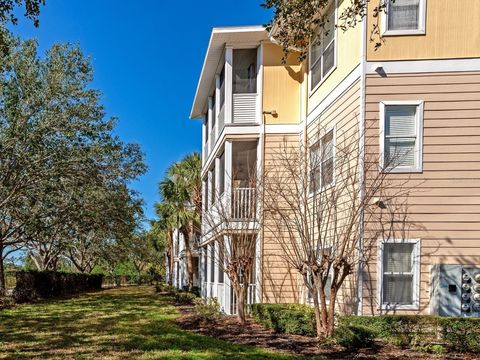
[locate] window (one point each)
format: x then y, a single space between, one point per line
404 17
322 51
327 159
244 71
400 267
401 136
322 162
314 160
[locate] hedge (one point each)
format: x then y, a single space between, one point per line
33 285
422 332
285 318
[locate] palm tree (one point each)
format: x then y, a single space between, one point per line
181 204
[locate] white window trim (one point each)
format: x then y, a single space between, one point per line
418 168
416 274
311 90
319 141
421 23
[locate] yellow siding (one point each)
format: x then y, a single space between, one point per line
452 31
281 85
348 48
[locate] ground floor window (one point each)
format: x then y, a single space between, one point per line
399 272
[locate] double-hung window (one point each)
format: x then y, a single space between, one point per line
401 132
322 51
405 17
322 162
314 165
399 275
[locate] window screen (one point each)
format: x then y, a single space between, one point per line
400 136
322 53
398 274
403 14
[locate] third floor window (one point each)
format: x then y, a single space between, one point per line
322 51
405 16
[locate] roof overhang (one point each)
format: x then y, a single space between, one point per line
218 39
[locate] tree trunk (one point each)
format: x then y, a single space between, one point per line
318 314
188 252
3 286
240 293
330 325
170 258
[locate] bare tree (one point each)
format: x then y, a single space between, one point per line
232 223
318 197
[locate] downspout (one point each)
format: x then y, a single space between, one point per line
362 161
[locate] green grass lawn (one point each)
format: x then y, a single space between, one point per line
126 323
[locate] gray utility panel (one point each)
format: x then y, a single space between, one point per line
455 290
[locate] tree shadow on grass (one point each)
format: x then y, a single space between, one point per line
118 324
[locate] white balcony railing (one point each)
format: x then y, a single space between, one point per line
243 203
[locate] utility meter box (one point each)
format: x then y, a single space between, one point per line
455 290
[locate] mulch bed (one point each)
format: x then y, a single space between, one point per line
228 329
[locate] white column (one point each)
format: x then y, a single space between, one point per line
217 178
217 103
260 84
228 84
228 167
204 136
227 287
209 128
208 278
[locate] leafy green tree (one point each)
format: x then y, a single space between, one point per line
31 8
58 152
181 203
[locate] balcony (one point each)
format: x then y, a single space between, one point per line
235 98
229 187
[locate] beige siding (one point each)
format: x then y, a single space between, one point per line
444 204
279 281
344 116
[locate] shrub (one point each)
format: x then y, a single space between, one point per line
165 288
185 297
354 336
427 333
33 285
206 311
6 302
285 318
461 334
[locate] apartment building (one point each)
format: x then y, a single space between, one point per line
407 80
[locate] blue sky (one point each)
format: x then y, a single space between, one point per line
147 56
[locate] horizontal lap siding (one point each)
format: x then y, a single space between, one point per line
279 281
445 199
343 115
